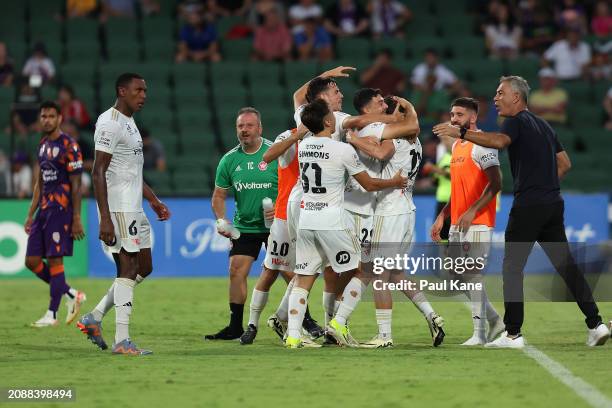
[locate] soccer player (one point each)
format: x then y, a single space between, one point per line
475 182
280 251
57 196
323 236
244 171
124 227
394 215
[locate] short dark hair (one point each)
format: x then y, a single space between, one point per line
467 103
313 115
50 105
391 104
387 51
316 87
363 96
249 109
124 80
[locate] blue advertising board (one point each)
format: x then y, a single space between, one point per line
188 246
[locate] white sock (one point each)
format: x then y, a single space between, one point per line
383 319
72 292
350 298
124 296
258 303
422 304
329 306
283 308
106 303
336 306
492 314
298 301
139 279
478 313
51 314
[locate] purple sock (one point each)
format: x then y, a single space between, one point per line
58 287
44 274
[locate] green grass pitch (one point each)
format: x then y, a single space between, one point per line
171 315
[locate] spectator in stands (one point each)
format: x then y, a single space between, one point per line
5 174
39 64
429 100
255 12
384 75
118 8
24 117
313 41
198 40
600 68
571 15
6 67
302 11
607 104
569 56
73 109
388 17
601 24
539 30
503 36
153 152
21 187
81 8
150 7
346 18
549 101
272 40
432 68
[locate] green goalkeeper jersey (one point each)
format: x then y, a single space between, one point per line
251 179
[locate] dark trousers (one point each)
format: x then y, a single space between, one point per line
446 227
543 224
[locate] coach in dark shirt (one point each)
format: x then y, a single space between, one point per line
537 162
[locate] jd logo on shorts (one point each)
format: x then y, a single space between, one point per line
343 257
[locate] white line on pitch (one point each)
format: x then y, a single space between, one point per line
584 390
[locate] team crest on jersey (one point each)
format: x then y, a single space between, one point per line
262 165
55 151
56 237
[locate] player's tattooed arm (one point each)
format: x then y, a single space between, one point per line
77 232
36 193
376 184
299 96
438 224
101 162
161 210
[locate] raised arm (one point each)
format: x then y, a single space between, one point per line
299 96
280 147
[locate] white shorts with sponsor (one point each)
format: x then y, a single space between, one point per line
293 219
317 248
132 232
280 255
474 243
392 234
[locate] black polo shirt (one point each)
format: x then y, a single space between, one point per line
533 159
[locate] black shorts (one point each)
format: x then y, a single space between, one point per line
249 244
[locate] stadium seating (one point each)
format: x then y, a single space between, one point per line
191 108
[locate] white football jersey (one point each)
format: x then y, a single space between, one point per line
323 165
338 135
356 198
407 158
118 135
